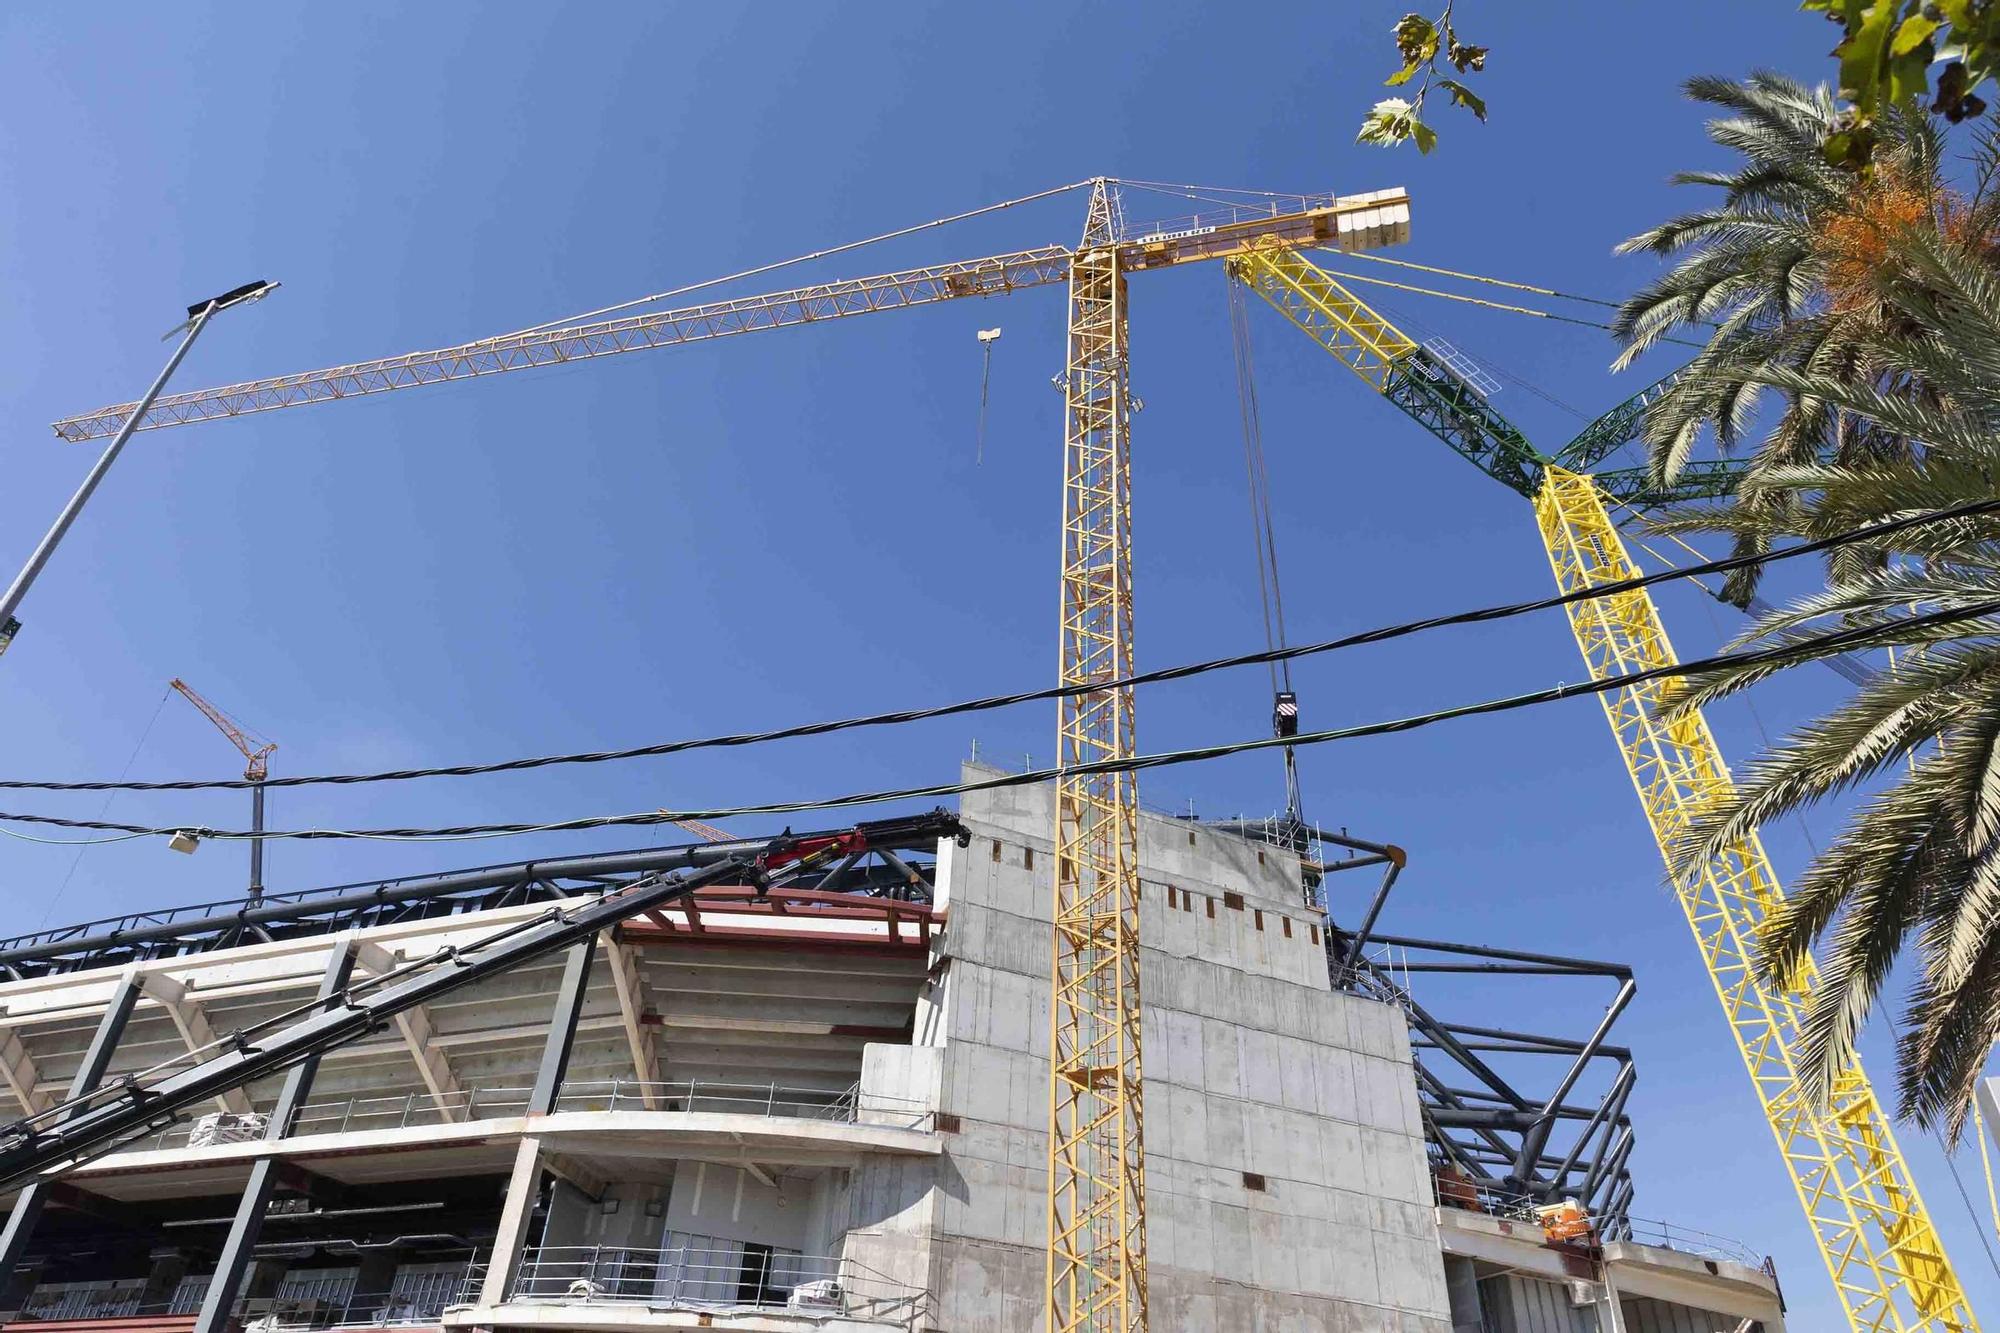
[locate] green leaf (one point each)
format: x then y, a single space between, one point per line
1909 76
1401 76
1416 39
1912 33
1425 136
1847 148
1465 97
1861 54
1388 124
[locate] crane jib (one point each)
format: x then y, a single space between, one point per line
1356 222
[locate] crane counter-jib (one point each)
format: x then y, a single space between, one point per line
1351 222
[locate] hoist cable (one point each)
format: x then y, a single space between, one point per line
1263 531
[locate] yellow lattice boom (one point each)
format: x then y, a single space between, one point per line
1881 1250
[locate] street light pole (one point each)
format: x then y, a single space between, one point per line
198 317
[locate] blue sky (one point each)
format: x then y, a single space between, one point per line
794 526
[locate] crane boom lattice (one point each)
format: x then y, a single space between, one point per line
1869 1224
1881 1250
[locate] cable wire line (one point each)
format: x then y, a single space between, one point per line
1778 655
1345 276
1480 277
1381 634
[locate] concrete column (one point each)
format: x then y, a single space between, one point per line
376 1274
1461 1289
233 1265
524 1185
33 1198
169 1267
562 1026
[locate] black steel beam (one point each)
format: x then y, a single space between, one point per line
1589 966
218 1304
1554 1045
326 910
34 1197
1538 1136
562 1026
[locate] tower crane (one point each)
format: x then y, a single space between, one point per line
255 770
1881 1249
1096 1276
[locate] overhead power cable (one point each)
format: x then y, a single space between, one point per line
1382 634
1836 640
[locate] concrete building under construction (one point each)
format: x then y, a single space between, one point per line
825 1107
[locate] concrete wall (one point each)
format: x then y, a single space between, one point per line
732 1204
575 1218
1514 1303
1253 1065
1644 1315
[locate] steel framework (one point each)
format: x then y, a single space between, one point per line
1097 1189
1868 1221
1495 1144
96 1119
885 870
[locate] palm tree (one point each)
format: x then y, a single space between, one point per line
1761 277
1919 861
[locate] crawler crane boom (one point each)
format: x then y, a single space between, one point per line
1880 1247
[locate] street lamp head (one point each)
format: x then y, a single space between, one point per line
248 292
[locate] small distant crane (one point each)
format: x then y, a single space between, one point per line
706 832
255 769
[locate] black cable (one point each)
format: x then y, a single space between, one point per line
1835 641
1383 634
990 702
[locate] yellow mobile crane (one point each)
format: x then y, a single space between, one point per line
1880 1247
1096 1192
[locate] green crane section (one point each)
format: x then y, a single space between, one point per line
1447 404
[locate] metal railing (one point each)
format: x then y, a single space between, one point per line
1468 1196
408 1302
1687 1240
740 1277
708 1096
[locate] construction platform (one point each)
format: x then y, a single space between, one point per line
825 1109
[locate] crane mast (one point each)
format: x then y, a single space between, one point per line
255 770
1097 1191
1868 1222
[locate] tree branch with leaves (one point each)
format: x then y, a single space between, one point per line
1423 43
1886 52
